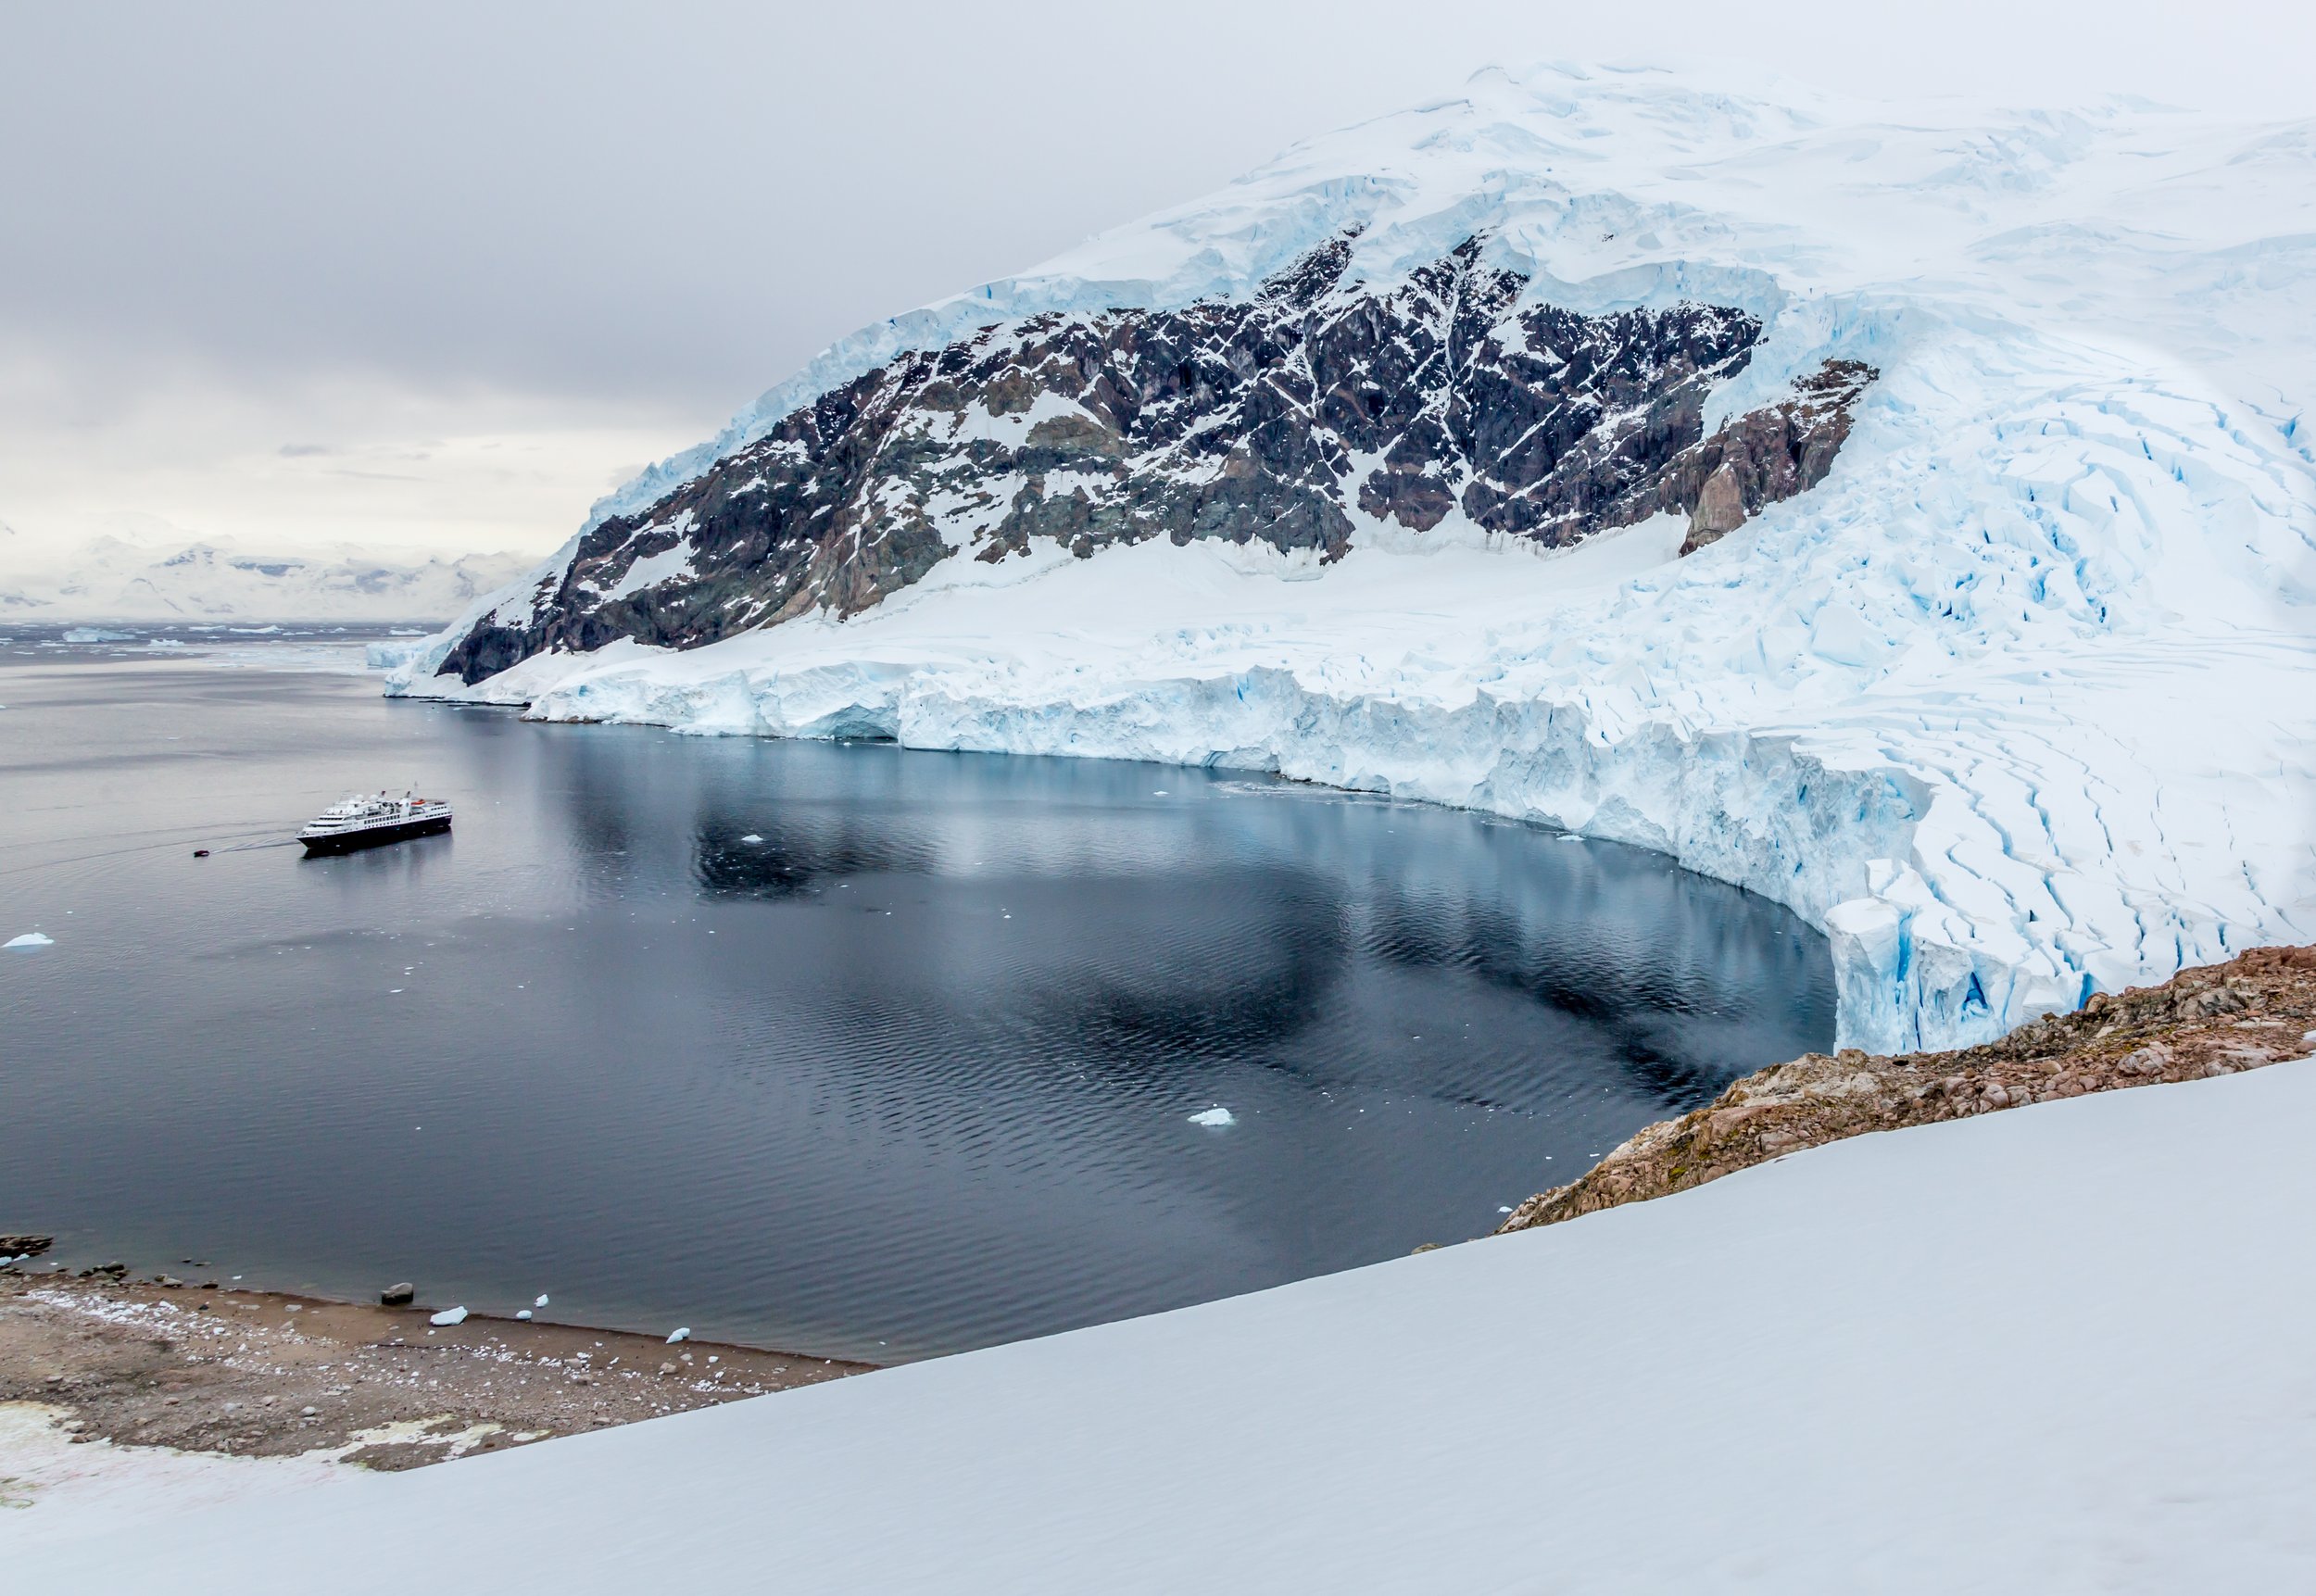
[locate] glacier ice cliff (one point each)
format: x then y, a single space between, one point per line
1989 651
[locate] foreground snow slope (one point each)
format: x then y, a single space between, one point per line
2014 705
2059 1349
61 1490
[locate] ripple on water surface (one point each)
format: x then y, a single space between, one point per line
850 1049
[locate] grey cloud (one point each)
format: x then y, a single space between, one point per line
670 207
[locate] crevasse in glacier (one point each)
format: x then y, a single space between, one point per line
2009 696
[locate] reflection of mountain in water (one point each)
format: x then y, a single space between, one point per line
1061 911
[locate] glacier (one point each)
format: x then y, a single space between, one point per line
2013 705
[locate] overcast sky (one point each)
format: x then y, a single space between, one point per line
442 274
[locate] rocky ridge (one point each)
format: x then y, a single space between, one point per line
2213 1020
1275 418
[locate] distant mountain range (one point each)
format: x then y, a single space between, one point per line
116 579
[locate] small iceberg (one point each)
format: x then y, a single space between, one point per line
449 1316
30 939
683 1334
1217 1117
751 837
542 1301
525 1312
97 635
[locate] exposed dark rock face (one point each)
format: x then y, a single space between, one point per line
1758 459
1269 418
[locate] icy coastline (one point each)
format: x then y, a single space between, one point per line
2012 706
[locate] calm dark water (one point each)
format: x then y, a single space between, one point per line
911 1074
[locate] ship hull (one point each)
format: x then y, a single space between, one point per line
375 836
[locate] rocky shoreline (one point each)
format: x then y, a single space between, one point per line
2257 1010
213 1369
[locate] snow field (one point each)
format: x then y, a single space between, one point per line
64 1491
2001 1353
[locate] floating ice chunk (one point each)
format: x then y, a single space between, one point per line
97 635
525 1312
1217 1117
32 939
542 1300
684 1334
751 837
449 1316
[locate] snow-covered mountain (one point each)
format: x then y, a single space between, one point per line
1905 512
1271 419
112 578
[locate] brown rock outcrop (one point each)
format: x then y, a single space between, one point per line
1756 460
2213 1020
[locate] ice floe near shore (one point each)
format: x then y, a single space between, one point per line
2014 705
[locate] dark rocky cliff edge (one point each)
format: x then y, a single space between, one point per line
2215 1021
1267 418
